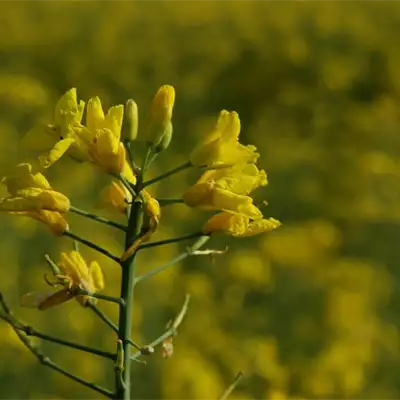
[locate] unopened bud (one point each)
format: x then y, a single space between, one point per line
131 121
161 114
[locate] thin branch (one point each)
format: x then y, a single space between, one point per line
167 174
231 387
91 245
103 317
97 218
29 331
189 252
46 360
169 241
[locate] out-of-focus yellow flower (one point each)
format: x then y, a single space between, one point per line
63 134
115 196
227 189
30 191
75 275
221 145
238 225
105 149
161 114
31 195
151 220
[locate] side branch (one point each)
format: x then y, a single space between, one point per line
190 251
91 245
97 218
169 241
167 174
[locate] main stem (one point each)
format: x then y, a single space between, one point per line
125 316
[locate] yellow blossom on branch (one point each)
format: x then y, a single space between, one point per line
221 145
227 189
104 139
30 191
31 195
63 134
75 275
238 225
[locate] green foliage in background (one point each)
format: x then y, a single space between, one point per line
308 311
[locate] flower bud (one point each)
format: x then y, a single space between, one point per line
161 114
131 121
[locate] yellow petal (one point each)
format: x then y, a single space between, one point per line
261 226
68 111
54 220
94 114
226 223
113 120
56 152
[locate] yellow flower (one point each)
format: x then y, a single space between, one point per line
63 134
151 220
31 195
221 145
53 219
115 196
238 225
105 147
30 191
161 114
227 189
75 274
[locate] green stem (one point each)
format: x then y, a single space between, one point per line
97 218
169 241
104 317
91 245
231 387
167 174
29 331
167 202
123 383
199 243
46 360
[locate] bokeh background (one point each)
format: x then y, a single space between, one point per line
308 311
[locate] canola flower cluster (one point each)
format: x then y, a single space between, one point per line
229 176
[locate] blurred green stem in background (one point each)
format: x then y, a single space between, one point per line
167 202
